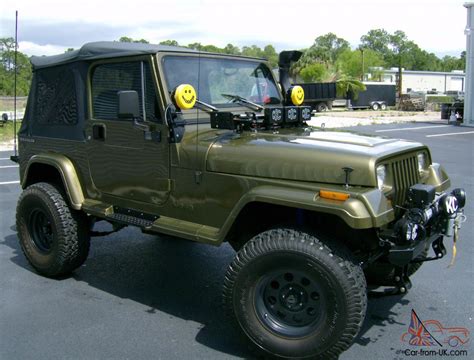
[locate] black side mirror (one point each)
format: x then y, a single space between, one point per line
128 104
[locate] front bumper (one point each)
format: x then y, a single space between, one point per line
428 219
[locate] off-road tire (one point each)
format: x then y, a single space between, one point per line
62 243
326 266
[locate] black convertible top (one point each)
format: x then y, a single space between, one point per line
102 50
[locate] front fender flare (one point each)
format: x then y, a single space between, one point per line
363 210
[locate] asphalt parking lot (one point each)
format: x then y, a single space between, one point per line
147 297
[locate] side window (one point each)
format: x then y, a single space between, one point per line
55 97
108 79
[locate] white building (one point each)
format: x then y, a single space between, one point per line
427 80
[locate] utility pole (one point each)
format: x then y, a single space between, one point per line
363 67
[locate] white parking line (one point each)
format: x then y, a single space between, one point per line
10 182
414 128
8 166
449 134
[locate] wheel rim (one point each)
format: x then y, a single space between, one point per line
289 302
41 230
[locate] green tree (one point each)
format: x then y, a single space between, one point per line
347 85
377 40
326 48
7 69
231 49
271 55
169 43
130 40
349 63
316 72
252 51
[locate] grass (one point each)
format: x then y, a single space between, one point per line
6 131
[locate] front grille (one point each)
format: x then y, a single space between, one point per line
405 174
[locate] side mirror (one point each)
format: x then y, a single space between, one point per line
128 104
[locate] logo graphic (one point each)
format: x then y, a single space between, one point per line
433 333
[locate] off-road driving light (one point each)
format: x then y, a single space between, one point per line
185 96
305 113
296 95
460 195
291 114
381 175
421 162
274 115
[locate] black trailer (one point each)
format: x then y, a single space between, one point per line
376 96
319 95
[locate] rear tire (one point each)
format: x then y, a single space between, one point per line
321 107
295 296
54 238
383 106
375 106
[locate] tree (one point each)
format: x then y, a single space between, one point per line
327 48
271 55
349 63
377 40
130 40
169 43
346 85
7 69
231 49
126 39
316 72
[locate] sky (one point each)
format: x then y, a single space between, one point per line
48 27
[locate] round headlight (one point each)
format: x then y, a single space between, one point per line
381 175
421 162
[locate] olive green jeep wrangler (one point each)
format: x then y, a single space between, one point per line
210 148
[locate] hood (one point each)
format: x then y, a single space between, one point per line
314 156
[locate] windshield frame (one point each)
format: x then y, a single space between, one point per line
223 107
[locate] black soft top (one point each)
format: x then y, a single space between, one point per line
102 50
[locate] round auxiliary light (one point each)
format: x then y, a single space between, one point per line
185 96
296 95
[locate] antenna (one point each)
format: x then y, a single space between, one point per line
198 172
15 79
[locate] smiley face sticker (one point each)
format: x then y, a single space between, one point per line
185 96
297 95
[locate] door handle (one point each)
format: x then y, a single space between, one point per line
98 132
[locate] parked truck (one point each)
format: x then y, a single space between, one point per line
377 96
319 95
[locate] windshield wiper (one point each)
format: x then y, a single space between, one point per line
243 101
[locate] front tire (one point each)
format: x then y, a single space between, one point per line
295 296
54 238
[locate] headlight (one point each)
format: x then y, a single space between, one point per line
421 162
381 175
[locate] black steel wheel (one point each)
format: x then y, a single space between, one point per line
54 238
295 296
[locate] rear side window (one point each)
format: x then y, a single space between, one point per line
56 97
109 79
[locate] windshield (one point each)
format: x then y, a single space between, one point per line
218 77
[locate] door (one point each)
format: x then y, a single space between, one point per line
126 160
